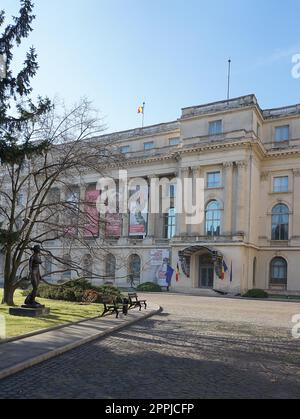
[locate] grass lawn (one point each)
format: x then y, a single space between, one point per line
285 297
61 312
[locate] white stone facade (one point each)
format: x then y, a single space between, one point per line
250 162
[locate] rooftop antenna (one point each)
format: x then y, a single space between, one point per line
229 76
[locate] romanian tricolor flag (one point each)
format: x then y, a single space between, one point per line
140 109
224 270
177 272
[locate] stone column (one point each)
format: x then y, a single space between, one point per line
241 197
181 226
228 198
151 216
196 228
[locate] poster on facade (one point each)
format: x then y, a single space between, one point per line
158 256
161 274
91 229
113 227
138 208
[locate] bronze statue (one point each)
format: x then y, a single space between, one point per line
35 277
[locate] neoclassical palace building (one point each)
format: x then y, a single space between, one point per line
249 234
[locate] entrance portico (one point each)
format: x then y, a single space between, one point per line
202 265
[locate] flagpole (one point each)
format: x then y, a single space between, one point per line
143 120
229 76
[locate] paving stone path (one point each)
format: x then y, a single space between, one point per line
199 347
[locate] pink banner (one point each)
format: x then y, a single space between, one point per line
92 214
113 225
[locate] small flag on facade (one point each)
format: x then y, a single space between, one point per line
140 109
169 274
177 273
231 273
224 270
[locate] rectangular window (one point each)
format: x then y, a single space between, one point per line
148 146
125 149
258 130
282 133
281 184
172 191
214 180
215 127
174 141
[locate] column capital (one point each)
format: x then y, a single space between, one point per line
296 172
228 164
242 164
184 170
196 169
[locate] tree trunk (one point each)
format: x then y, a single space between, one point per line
8 294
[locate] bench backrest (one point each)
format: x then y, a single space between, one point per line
107 300
133 296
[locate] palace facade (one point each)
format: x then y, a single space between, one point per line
249 235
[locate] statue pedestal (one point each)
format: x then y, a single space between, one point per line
29 312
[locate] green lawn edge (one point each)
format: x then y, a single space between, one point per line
62 312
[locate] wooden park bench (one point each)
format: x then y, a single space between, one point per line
135 302
113 306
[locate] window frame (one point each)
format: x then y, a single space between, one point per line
146 148
214 186
214 131
213 219
127 147
280 189
173 142
278 281
281 230
170 224
282 140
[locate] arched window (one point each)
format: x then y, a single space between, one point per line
278 272
170 224
110 269
213 218
280 222
134 270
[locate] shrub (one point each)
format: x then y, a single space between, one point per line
256 293
75 291
149 287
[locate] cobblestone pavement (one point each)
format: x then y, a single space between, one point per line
197 348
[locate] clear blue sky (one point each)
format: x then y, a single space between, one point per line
168 53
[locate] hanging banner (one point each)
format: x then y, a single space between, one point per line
113 227
91 229
138 208
158 256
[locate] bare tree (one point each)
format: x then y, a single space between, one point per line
41 200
